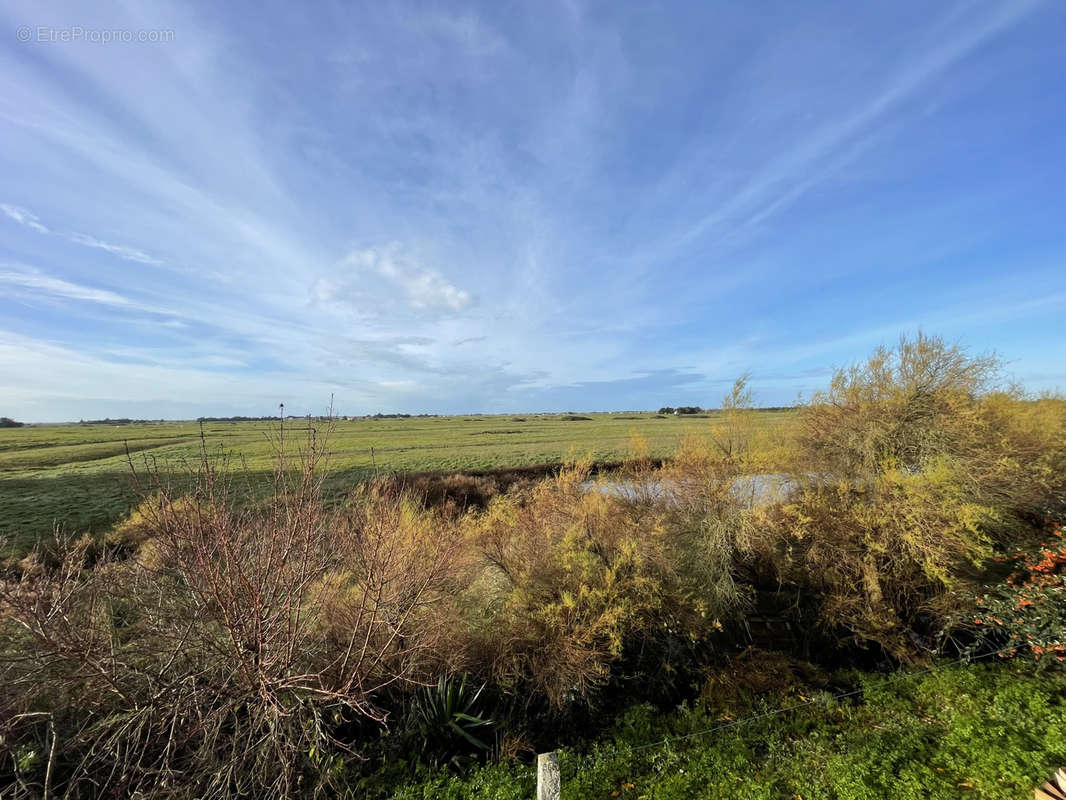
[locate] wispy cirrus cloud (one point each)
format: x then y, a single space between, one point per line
28 278
122 251
23 217
829 143
32 221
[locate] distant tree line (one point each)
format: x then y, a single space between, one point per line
238 419
698 410
7 422
119 421
681 410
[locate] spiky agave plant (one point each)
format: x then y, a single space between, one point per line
449 720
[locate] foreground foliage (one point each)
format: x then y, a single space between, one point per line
982 731
236 651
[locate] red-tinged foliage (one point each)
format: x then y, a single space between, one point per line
1029 607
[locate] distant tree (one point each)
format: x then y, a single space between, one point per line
688 410
666 410
7 422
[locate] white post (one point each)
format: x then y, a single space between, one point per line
549 785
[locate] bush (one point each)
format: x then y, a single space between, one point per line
913 468
239 653
449 720
573 579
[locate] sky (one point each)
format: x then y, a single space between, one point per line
212 208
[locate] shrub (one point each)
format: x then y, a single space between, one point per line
572 579
929 405
883 558
449 719
239 659
914 468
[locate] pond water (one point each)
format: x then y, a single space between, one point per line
760 489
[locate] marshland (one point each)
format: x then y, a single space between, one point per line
253 609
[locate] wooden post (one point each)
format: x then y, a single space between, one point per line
549 785
1055 789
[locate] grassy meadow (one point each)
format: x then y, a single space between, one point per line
78 477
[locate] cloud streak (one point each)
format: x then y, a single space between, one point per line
122 251
33 222
23 217
37 282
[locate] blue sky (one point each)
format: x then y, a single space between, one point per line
502 207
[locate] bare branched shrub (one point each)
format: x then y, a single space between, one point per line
717 485
903 405
233 651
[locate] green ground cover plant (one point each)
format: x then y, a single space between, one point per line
987 731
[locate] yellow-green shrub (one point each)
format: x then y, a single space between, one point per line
914 465
572 578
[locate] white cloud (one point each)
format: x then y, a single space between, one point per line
371 278
427 289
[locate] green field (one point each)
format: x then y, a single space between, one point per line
78 477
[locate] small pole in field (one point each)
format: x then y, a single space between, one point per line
549 784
